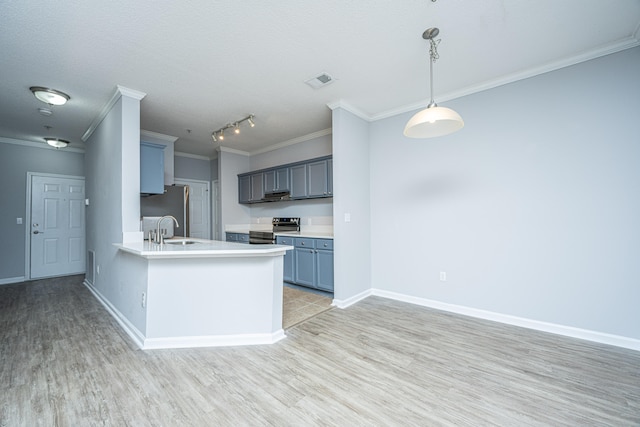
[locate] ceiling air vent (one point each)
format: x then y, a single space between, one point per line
320 81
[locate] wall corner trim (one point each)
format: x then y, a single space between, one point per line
119 92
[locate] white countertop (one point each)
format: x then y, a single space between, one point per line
201 249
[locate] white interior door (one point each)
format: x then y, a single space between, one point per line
199 223
57 226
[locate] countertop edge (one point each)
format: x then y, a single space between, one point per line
153 251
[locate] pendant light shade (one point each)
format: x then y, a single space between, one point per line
433 121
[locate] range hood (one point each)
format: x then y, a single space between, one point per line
276 196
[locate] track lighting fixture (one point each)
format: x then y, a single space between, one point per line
218 135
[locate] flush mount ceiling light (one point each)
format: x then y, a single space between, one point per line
56 142
49 96
433 121
218 135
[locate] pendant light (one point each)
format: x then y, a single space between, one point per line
433 121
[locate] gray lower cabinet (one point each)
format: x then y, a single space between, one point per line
310 264
288 258
238 237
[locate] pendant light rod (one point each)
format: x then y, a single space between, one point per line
433 121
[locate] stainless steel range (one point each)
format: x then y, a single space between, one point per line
278 225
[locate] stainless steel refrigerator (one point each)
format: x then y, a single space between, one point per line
174 201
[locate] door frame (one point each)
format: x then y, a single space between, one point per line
27 216
185 181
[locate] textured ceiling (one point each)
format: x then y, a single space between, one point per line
205 63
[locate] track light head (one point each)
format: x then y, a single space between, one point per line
218 135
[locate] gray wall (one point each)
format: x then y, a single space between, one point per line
351 189
15 162
532 208
112 161
192 168
230 164
315 147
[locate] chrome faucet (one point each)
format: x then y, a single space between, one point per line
159 236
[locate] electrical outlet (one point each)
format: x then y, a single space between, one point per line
144 300
443 276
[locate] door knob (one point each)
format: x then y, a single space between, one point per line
38 232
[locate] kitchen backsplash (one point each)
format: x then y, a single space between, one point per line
320 224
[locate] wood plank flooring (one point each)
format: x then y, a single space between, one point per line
65 362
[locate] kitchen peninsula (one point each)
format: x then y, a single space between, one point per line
203 293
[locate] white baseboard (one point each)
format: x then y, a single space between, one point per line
10 280
213 341
569 331
128 327
352 300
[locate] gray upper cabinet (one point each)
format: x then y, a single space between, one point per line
250 188
244 189
303 180
257 187
276 180
151 168
318 179
330 177
298 176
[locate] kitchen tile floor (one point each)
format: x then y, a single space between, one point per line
299 306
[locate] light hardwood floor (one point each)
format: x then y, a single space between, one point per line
66 362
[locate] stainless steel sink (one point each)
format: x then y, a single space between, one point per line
180 242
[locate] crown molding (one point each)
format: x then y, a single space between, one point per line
232 150
293 141
628 43
192 156
156 137
42 145
350 108
119 93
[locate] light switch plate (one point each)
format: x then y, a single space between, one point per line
18 221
